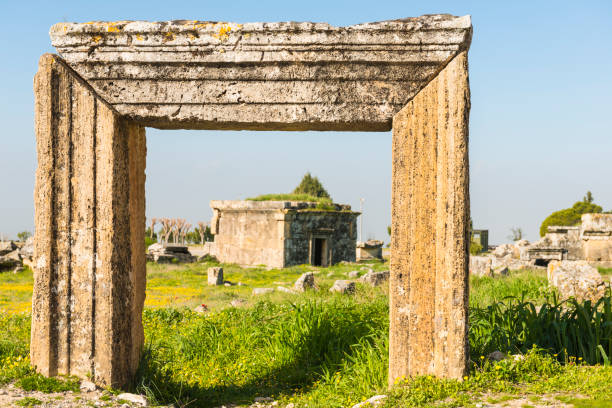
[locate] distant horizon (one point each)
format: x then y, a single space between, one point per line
540 123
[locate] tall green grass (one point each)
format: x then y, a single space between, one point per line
568 330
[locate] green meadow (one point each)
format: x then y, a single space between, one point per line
321 349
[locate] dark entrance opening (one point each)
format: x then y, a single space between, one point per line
320 250
542 262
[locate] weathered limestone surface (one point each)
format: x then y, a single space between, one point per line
89 244
576 279
481 266
298 76
281 233
89 248
430 213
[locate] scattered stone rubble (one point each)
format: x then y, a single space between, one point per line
14 255
576 279
504 258
89 396
590 241
167 253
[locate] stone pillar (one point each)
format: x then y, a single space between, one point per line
430 217
215 276
89 279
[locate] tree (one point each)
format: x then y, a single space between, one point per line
571 216
153 223
311 186
24 235
516 234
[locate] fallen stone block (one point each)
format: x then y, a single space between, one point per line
215 276
133 398
238 302
480 266
371 402
305 282
576 279
375 278
286 290
343 286
262 291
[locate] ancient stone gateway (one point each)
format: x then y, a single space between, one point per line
111 80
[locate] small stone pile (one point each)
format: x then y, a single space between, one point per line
166 253
13 255
503 259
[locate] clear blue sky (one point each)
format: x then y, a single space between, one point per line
540 130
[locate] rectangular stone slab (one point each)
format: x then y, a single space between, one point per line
267 76
428 285
89 278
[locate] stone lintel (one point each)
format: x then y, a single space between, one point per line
261 76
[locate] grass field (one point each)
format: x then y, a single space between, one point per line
320 349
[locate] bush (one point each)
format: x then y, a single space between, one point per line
149 241
24 235
475 248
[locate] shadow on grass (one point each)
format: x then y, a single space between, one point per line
314 339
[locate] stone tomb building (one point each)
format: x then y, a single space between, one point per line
282 233
111 80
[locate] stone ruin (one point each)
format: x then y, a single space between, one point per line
169 253
370 249
569 253
14 255
112 79
282 233
590 241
